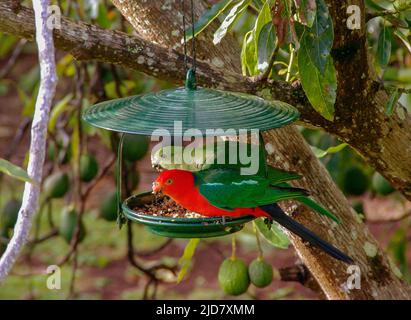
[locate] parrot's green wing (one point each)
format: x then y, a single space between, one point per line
277 176
227 189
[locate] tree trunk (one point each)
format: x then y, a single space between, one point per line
31 194
290 151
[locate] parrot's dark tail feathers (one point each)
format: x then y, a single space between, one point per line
283 219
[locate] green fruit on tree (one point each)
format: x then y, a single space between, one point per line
68 223
10 213
56 185
135 147
88 167
233 276
108 209
355 181
260 272
381 185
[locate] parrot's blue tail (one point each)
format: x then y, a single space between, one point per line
283 219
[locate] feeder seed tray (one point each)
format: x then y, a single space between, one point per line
170 224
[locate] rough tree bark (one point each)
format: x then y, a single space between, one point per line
289 150
360 120
48 81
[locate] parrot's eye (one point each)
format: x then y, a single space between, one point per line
169 181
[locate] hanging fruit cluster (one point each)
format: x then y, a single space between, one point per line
234 276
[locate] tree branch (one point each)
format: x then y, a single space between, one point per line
359 117
48 81
89 42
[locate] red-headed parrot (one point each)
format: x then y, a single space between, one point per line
225 192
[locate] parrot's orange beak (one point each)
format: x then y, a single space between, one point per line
156 187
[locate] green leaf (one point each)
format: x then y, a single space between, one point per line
263 18
266 46
249 55
321 89
185 260
320 153
57 110
275 236
403 39
319 39
14 171
398 249
102 18
257 4
392 101
6 44
384 46
372 5
306 12
207 17
236 11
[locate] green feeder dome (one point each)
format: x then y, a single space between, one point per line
196 108
201 109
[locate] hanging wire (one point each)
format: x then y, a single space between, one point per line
193 43
184 35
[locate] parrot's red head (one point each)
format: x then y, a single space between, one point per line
173 182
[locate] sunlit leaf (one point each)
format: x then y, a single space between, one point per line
207 17
186 259
236 11
274 235
14 171
320 153
57 110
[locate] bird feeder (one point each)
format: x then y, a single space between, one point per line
196 108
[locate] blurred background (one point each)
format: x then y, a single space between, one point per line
80 182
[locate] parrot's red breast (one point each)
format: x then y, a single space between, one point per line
180 186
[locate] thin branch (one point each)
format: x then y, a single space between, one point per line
13 58
48 81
